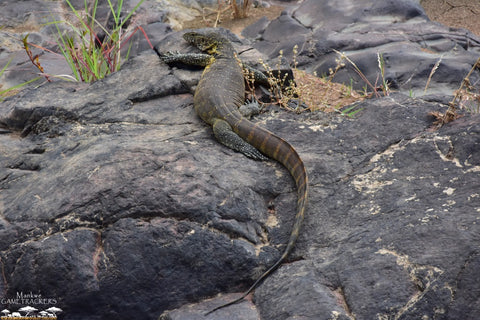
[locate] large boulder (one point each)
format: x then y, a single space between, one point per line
117 202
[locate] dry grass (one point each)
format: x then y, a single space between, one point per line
240 11
466 97
321 94
308 92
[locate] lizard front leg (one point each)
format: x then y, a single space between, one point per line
225 135
195 59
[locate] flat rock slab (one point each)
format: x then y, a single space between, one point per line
397 32
116 200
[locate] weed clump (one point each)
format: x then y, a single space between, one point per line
91 57
238 10
465 97
303 91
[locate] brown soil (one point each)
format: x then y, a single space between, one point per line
454 13
225 18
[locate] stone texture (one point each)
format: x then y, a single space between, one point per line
116 199
411 45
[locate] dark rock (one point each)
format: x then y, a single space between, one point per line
411 45
468 292
274 33
60 267
289 302
31 13
117 202
98 197
254 30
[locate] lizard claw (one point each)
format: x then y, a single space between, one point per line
250 108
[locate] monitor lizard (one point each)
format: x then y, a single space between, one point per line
218 96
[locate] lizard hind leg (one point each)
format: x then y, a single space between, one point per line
225 135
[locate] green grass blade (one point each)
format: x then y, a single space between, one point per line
350 111
131 13
64 46
115 18
6 66
3 92
87 60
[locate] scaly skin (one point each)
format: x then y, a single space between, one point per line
219 94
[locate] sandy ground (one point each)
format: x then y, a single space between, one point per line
455 13
224 18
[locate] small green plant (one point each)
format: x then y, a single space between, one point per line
350 111
89 57
381 66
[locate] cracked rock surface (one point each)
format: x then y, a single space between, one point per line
116 200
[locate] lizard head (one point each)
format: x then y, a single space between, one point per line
208 42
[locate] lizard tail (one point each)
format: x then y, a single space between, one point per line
280 150
252 287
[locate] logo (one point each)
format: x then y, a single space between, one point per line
31 306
